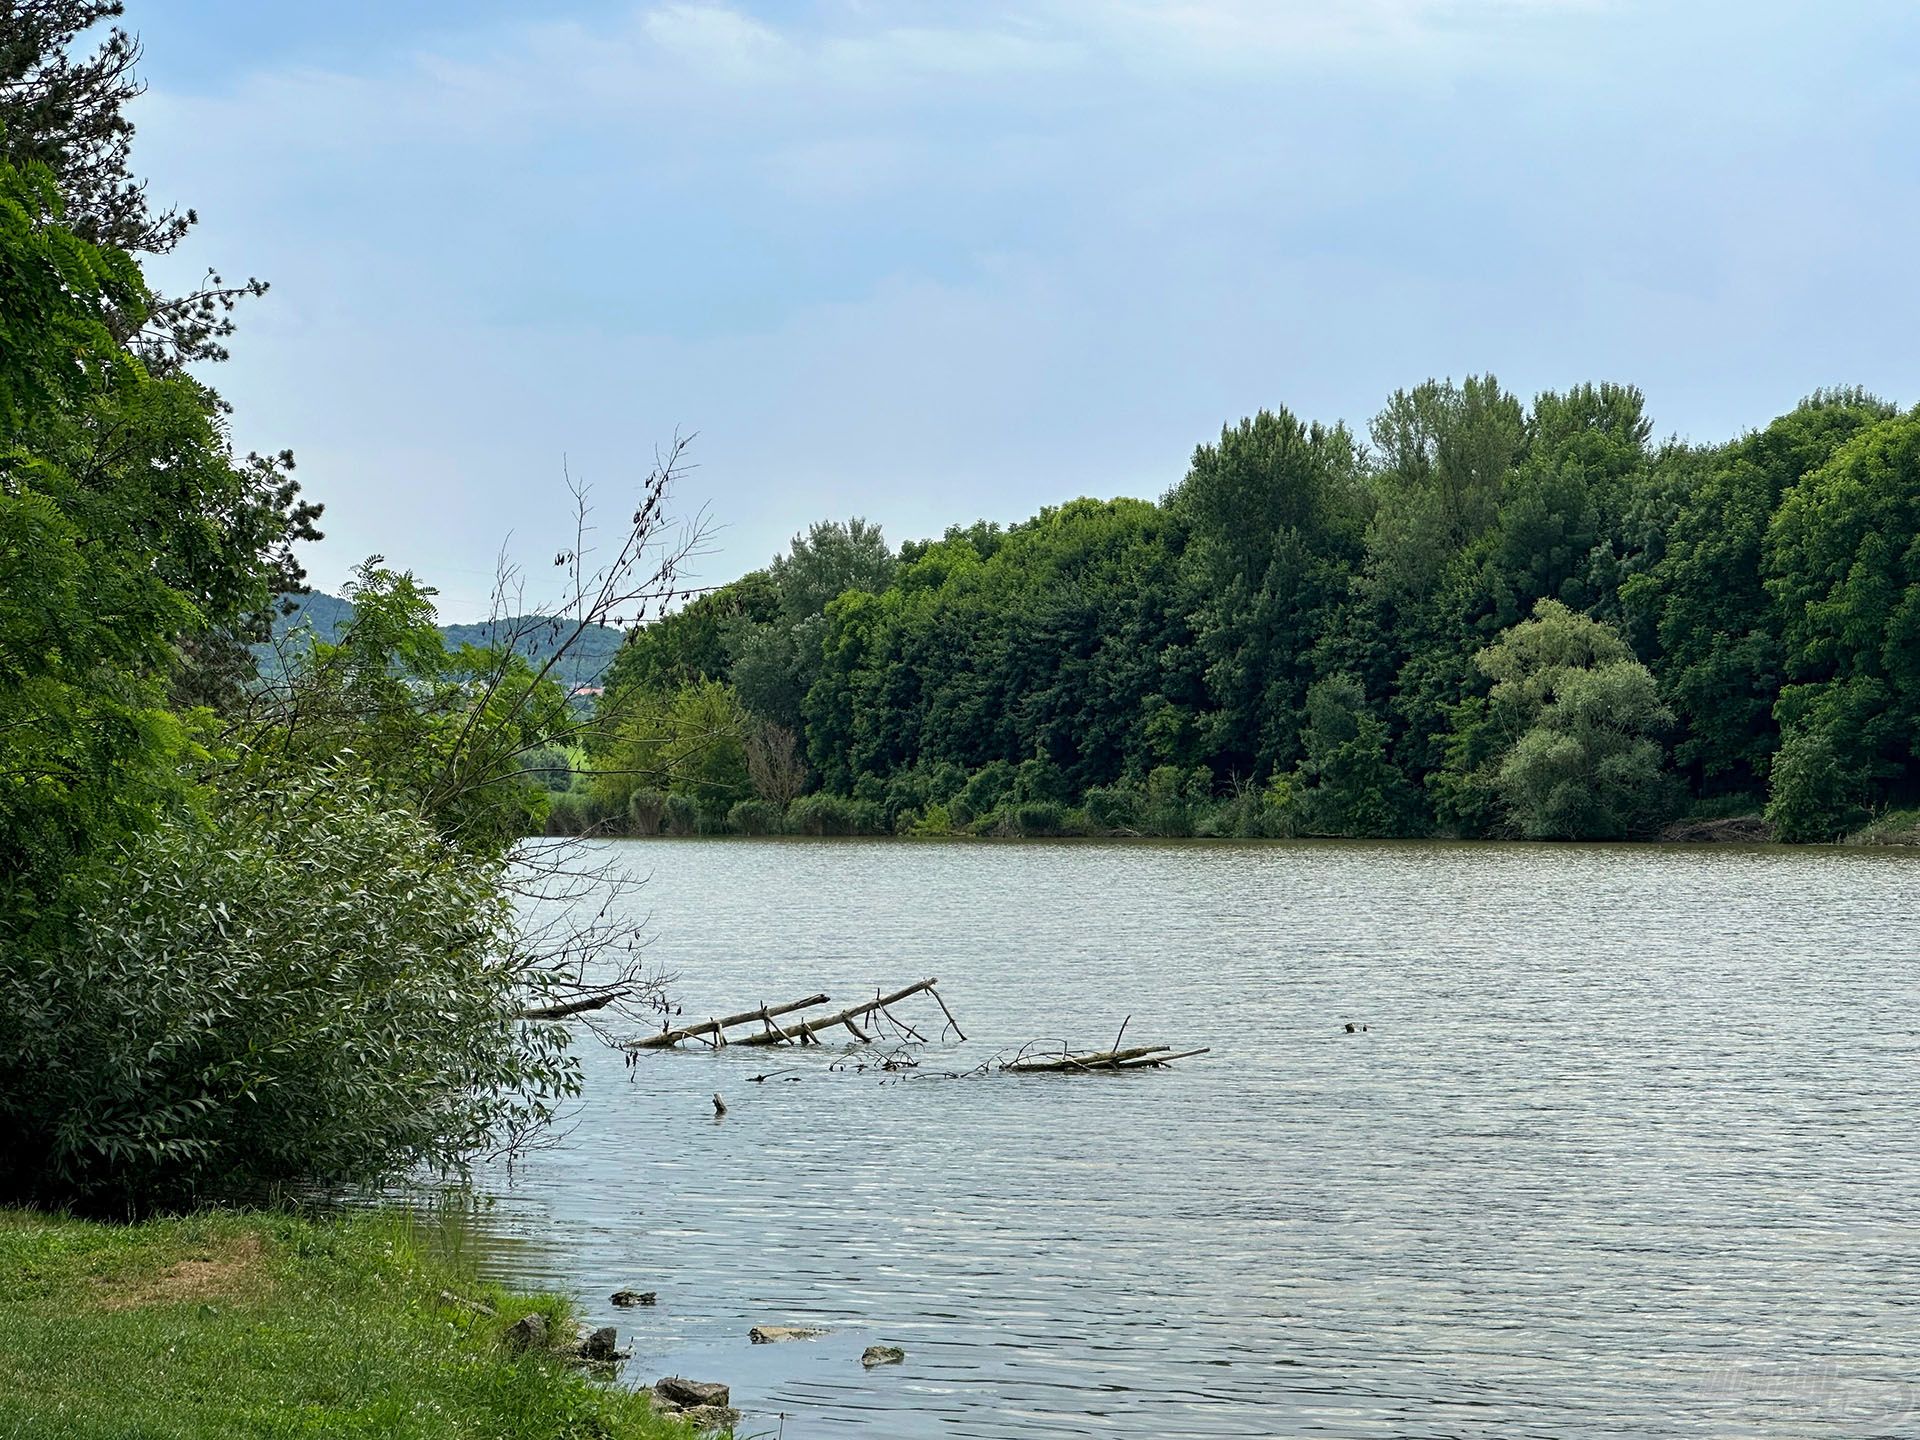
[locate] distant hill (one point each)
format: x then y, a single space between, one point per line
324 616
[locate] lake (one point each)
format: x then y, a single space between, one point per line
1628 1148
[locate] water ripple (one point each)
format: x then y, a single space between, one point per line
1627 1150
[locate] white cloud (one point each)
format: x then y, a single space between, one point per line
933 259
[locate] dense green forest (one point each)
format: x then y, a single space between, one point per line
1486 618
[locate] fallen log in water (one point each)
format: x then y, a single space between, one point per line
804 1031
1133 1059
571 1007
1088 1061
1158 1060
765 1013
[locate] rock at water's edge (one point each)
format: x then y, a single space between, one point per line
529 1332
684 1394
775 1334
599 1345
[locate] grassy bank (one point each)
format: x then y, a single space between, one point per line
225 1325
1896 827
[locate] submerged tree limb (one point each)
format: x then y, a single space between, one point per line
668 1038
805 1031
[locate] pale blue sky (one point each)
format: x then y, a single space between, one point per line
929 262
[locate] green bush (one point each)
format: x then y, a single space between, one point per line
936 819
1116 809
568 815
754 817
983 792
314 989
645 810
1173 792
680 815
1037 819
1811 798
828 814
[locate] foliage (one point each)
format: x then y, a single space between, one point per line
1892 827
315 991
1812 798
1722 650
834 815
1843 565
1345 784
1574 722
1295 640
88 620
64 107
251 933
689 743
1273 515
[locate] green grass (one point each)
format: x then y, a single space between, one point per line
250 1325
1895 827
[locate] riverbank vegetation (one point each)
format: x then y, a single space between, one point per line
256 934
221 1325
1486 617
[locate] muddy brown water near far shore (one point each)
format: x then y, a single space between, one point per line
1629 1149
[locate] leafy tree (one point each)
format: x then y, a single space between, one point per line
88 623
829 560
460 738
691 743
63 116
1573 722
1345 784
1274 514
1813 798
1843 565
688 645
64 107
1721 639
1558 532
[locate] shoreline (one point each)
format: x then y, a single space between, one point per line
233 1323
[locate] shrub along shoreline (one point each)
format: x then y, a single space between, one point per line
231 1324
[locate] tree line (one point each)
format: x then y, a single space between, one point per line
1488 617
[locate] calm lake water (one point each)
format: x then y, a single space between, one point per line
1630 1148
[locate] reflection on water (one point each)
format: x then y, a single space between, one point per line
1628 1150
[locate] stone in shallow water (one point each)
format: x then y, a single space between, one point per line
634 1297
683 1394
599 1344
529 1332
774 1334
882 1355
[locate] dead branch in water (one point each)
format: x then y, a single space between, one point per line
805 1031
668 1038
572 1007
1093 1060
